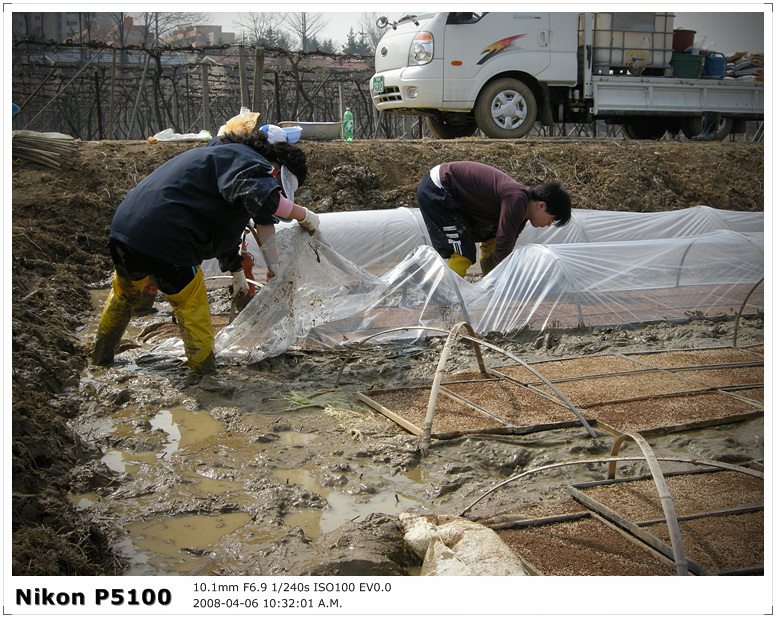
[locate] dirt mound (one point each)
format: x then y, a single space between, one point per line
61 220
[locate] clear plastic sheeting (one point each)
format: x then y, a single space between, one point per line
613 283
318 297
377 240
604 225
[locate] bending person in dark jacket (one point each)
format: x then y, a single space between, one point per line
192 208
464 203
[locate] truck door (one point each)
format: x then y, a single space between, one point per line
491 43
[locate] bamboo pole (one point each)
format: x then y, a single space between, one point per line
34 92
665 496
56 96
425 442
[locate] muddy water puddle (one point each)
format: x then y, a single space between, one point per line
191 483
342 507
252 471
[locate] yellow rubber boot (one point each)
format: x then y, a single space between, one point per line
487 263
122 299
192 312
459 264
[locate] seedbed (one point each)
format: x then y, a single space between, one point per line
720 515
585 545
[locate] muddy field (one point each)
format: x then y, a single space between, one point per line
270 469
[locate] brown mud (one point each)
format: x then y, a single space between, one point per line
270 469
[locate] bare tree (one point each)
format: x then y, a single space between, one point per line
367 25
306 26
263 29
85 23
254 26
160 25
119 20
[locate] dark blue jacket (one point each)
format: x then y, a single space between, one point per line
196 206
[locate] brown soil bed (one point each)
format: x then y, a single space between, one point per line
692 494
698 358
672 413
756 394
717 543
583 547
642 400
720 543
60 223
722 378
595 391
509 402
572 368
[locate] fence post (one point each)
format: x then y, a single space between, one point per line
139 92
277 97
205 97
258 80
341 104
244 98
98 104
112 96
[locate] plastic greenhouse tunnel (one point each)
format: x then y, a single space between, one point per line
634 269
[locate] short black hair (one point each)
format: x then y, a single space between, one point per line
557 200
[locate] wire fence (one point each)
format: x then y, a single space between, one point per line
129 94
96 92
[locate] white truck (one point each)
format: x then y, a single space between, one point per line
502 72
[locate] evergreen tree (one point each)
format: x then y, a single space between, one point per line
356 46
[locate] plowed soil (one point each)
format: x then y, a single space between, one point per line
60 224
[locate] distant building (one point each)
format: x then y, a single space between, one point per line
198 36
57 27
111 28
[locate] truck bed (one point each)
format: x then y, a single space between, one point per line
625 95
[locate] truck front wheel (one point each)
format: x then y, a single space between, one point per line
505 108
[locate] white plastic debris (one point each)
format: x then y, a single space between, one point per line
459 547
168 135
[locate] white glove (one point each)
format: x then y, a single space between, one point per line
310 221
239 284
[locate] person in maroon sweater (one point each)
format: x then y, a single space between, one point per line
464 202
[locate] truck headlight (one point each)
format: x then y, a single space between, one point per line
422 49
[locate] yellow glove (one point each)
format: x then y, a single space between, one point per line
459 264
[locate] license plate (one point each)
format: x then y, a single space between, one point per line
378 84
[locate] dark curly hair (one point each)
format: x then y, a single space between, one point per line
283 153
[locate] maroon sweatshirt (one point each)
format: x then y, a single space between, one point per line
488 196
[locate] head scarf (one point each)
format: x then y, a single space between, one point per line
288 180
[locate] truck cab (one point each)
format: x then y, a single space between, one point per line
502 72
